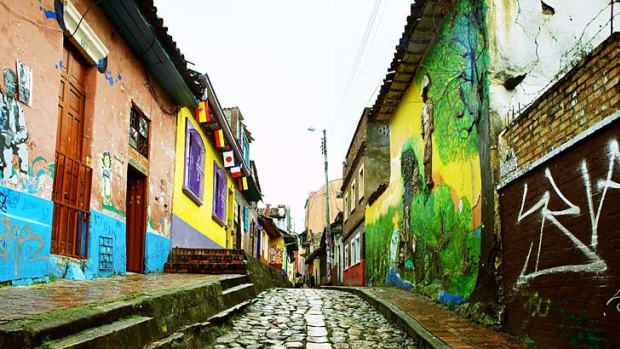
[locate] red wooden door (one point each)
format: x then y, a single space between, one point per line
73 179
136 220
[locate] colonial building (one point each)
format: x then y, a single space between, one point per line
210 171
87 169
366 157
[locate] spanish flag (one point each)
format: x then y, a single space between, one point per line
243 183
219 138
202 112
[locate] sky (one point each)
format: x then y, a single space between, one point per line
290 65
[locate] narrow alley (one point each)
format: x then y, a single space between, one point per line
313 319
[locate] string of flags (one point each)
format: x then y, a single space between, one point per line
203 116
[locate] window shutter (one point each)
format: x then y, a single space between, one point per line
222 194
246 218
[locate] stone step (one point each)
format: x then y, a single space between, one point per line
234 281
206 268
238 294
129 333
205 259
206 251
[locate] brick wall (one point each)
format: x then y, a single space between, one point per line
584 96
560 232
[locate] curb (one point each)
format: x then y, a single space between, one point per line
424 338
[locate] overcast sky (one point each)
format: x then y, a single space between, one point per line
288 65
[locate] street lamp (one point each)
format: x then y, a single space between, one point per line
328 228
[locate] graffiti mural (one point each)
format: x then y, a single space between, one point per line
275 254
19 245
429 217
560 243
13 130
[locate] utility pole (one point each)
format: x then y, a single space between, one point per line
328 228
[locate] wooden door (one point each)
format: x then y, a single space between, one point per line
73 179
136 220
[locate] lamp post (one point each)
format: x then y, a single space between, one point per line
328 228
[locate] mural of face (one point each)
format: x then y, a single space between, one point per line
10 82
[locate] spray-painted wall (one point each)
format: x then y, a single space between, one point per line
34 38
424 230
559 209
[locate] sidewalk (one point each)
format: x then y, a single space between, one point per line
25 302
430 322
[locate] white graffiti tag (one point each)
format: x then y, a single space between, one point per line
614 298
594 264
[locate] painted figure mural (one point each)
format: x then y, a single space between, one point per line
13 130
106 178
424 230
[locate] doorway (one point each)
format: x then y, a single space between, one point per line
136 220
73 179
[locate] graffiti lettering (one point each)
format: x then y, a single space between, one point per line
3 202
536 305
594 264
614 298
26 246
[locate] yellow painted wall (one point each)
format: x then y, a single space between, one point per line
200 217
462 177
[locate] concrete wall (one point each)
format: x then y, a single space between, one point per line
33 37
541 43
193 225
559 210
425 228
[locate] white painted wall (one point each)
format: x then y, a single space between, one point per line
523 40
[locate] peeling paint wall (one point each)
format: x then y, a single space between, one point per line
424 230
541 40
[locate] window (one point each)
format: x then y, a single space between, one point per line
360 184
353 192
219 194
246 218
139 132
346 206
353 252
346 256
194 163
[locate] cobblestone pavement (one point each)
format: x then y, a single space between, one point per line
312 319
17 302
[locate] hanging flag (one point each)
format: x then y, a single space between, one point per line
243 183
219 138
229 158
235 171
202 112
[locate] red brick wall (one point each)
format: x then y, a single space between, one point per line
584 96
560 231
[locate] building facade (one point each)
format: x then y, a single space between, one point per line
87 171
367 153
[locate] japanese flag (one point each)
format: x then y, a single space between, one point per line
229 159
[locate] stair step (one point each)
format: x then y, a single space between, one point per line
206 268
234 281
133 332
206 251
238 294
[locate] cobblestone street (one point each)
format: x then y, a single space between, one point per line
313 319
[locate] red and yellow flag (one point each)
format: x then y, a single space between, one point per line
242 183
202 112
219 138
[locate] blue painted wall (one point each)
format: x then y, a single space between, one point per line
25 244
103 226
25 236
156 254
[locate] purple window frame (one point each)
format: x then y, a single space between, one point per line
219 194
193 181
